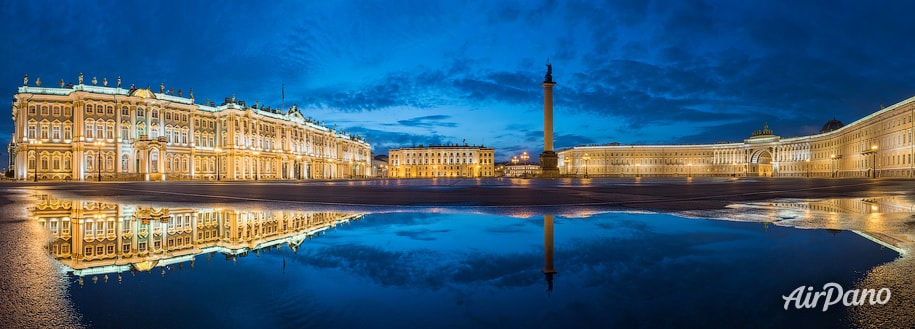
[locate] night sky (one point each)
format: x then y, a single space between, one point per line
421 72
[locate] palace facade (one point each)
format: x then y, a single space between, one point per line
878 145
91 132
436 161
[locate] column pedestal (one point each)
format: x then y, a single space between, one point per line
549 164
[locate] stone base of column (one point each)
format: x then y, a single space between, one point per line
549 164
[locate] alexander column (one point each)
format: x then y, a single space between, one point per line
549 161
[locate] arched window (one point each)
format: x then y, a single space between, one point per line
124 163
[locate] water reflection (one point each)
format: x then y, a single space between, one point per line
96 238
458 267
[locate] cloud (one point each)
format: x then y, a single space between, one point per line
428 121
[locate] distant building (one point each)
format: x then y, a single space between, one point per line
879 145
520 167
380 166
83 132
441 161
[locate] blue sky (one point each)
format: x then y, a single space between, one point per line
419 72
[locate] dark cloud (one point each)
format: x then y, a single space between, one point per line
428 121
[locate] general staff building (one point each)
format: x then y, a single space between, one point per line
878 145
91 132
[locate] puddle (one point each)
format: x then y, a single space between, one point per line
250 265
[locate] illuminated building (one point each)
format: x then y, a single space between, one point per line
878 145
521 167
89 132
92 238
441 161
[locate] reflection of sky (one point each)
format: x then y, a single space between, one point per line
424 270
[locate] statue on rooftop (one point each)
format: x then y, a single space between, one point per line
162 88
119 81
94 81
80 77
38 82
191 92
61 83
105 81
25 80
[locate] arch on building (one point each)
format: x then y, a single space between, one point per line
761 162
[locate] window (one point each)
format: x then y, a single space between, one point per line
88 109
32 110
141 112
32 131
68 111
99 110
55 131
44 110
56 111
44 131
68 132
110 130
110 110
125 111
124 163
90 128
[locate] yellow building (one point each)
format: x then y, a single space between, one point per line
441 161
878 145
83 132
92 238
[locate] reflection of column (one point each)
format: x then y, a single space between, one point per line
548 270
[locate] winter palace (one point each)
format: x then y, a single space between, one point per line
878 145
96 132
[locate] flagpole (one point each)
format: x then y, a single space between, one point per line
283 105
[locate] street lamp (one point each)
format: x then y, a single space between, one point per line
873 151
217 151
524 157
586 158
98 157
36 143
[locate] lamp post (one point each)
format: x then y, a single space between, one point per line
98 157
217 151
807 166
35 143
586 158
873 151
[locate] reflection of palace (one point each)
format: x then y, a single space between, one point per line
94 238
875 227
878 145
85 131
441 161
